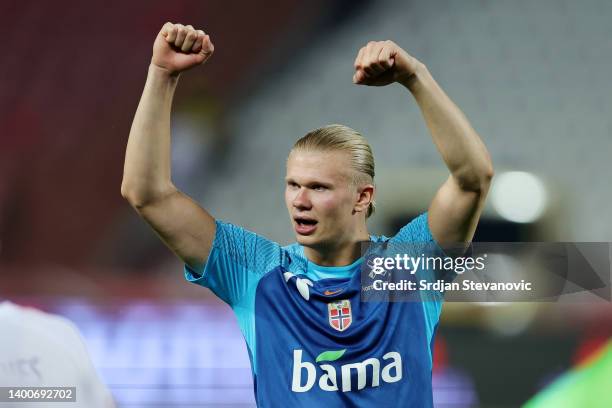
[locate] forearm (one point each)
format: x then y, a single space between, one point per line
460 146
146 173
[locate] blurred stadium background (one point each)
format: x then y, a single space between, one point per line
532 76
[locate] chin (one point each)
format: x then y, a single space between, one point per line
308 241
304 240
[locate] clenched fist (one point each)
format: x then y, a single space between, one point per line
178 48
380 63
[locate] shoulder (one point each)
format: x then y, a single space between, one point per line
417 230
295 259
29 317
244 245
294 249
50 330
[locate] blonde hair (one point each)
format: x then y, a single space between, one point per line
342 138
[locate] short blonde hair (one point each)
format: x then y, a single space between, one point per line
342 138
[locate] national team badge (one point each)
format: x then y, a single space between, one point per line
339 314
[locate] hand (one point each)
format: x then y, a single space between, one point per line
178 48
380 63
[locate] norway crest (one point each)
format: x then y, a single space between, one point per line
339 314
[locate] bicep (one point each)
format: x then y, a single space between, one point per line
184 226
454 212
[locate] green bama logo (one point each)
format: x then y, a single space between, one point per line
331 378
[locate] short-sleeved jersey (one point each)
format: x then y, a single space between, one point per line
311 340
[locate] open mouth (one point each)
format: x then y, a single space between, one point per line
304 225
305 221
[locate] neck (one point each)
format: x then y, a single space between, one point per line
338 255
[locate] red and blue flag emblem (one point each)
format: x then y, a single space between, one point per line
339 314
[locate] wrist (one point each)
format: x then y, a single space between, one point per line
160 73
419 77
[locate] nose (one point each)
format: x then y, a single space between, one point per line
301 201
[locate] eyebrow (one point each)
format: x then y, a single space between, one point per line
310 184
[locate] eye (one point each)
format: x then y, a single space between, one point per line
318 187
292 184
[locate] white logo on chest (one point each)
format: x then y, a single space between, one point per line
300 284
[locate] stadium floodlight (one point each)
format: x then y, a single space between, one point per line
519 196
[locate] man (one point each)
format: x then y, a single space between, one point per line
39 349
311 341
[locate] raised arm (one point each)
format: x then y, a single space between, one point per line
186 228
455 210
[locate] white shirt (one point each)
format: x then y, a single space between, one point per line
39 349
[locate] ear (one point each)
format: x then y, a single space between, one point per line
365 195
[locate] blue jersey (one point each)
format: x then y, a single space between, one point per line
311 341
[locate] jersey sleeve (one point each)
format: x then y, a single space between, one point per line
237 260
416 237
416 230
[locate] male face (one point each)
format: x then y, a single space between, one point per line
321 198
